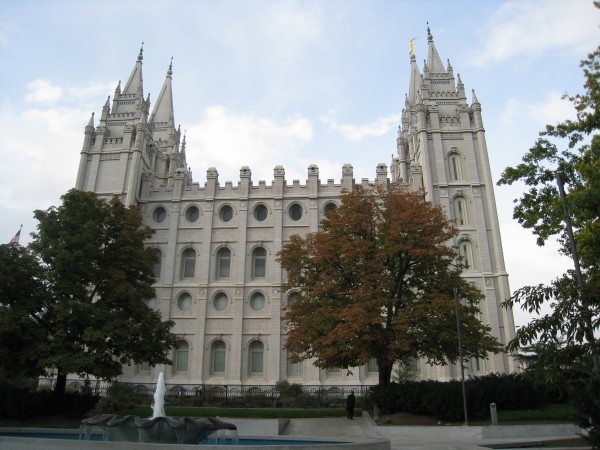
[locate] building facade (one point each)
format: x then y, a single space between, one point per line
217 275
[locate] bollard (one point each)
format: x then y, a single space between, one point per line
494 414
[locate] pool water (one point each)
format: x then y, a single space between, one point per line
241 442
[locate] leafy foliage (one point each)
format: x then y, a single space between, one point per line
378 282
565 340
83 310
574 319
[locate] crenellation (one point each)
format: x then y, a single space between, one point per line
218 241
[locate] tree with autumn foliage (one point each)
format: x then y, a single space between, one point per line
379 281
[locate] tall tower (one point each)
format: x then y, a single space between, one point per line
442 149
128 150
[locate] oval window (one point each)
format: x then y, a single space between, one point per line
220 301
257 301
261 212
192 214
184 302
226 213
296 211
160 214
330 208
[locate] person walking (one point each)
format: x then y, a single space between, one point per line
350 404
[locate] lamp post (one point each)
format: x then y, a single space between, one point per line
460 355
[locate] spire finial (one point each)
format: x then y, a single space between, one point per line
170 71
429 36
141 55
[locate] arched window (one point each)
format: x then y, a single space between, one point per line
224 263
157 263
218 357
294 368
461 214
256 351
188 263
181 357
259 263
465 249
455 167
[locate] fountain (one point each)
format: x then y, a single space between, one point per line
159 428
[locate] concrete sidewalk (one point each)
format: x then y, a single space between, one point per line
455 437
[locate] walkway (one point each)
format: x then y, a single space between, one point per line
365 427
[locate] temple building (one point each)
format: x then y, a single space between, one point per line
216 243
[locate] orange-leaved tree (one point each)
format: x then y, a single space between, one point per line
378 281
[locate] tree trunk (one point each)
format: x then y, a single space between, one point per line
385 374
61 382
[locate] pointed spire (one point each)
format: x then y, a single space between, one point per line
118 88
415 80
433 58
460 87
163 110
474 99
183 144
135 83
105 109
91 122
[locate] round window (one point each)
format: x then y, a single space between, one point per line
293 297
226 213
220 301
296 211
330 208
257 301
184 302
160 214
261 212
192 214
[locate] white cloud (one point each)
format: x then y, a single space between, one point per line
228 141
43 91
551 110
357 133
532 27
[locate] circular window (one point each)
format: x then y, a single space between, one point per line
330 208
293 297
151 303
220 301
226 213
184 302
261 212
160 214
296 211
257 301
192 214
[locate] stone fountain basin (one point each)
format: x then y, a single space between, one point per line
166 430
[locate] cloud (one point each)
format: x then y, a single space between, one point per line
550 110
228 141
357 133
533 27
42 91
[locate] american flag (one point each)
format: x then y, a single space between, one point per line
15 239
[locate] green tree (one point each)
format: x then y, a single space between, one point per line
22 298
575 302
91 317
574 297
378 282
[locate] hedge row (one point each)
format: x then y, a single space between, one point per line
20 403
444 401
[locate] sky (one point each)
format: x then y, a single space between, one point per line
260 82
